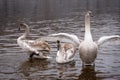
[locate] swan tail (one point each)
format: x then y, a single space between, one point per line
72 37
107 38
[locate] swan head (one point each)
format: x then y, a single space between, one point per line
58 41
23 26
89 12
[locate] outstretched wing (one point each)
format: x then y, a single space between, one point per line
107 38
71 37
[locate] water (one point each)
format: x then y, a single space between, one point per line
53 16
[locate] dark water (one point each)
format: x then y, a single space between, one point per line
53 16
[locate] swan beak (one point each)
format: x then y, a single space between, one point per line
37 54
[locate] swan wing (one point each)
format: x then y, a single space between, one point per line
71 55
106 38
38 45
72 37
25 44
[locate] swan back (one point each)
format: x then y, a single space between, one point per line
40 45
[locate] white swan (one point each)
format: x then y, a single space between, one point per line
34 47
65 53
88 49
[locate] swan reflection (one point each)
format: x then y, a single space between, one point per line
87 73
33 65
64 68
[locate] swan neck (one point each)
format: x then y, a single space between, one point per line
26 33
58 46
88 35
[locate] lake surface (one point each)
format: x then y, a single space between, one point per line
52 16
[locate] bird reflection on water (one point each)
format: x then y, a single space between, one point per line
62 68
87 73
33 65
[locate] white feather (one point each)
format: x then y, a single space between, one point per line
106 38
72 37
